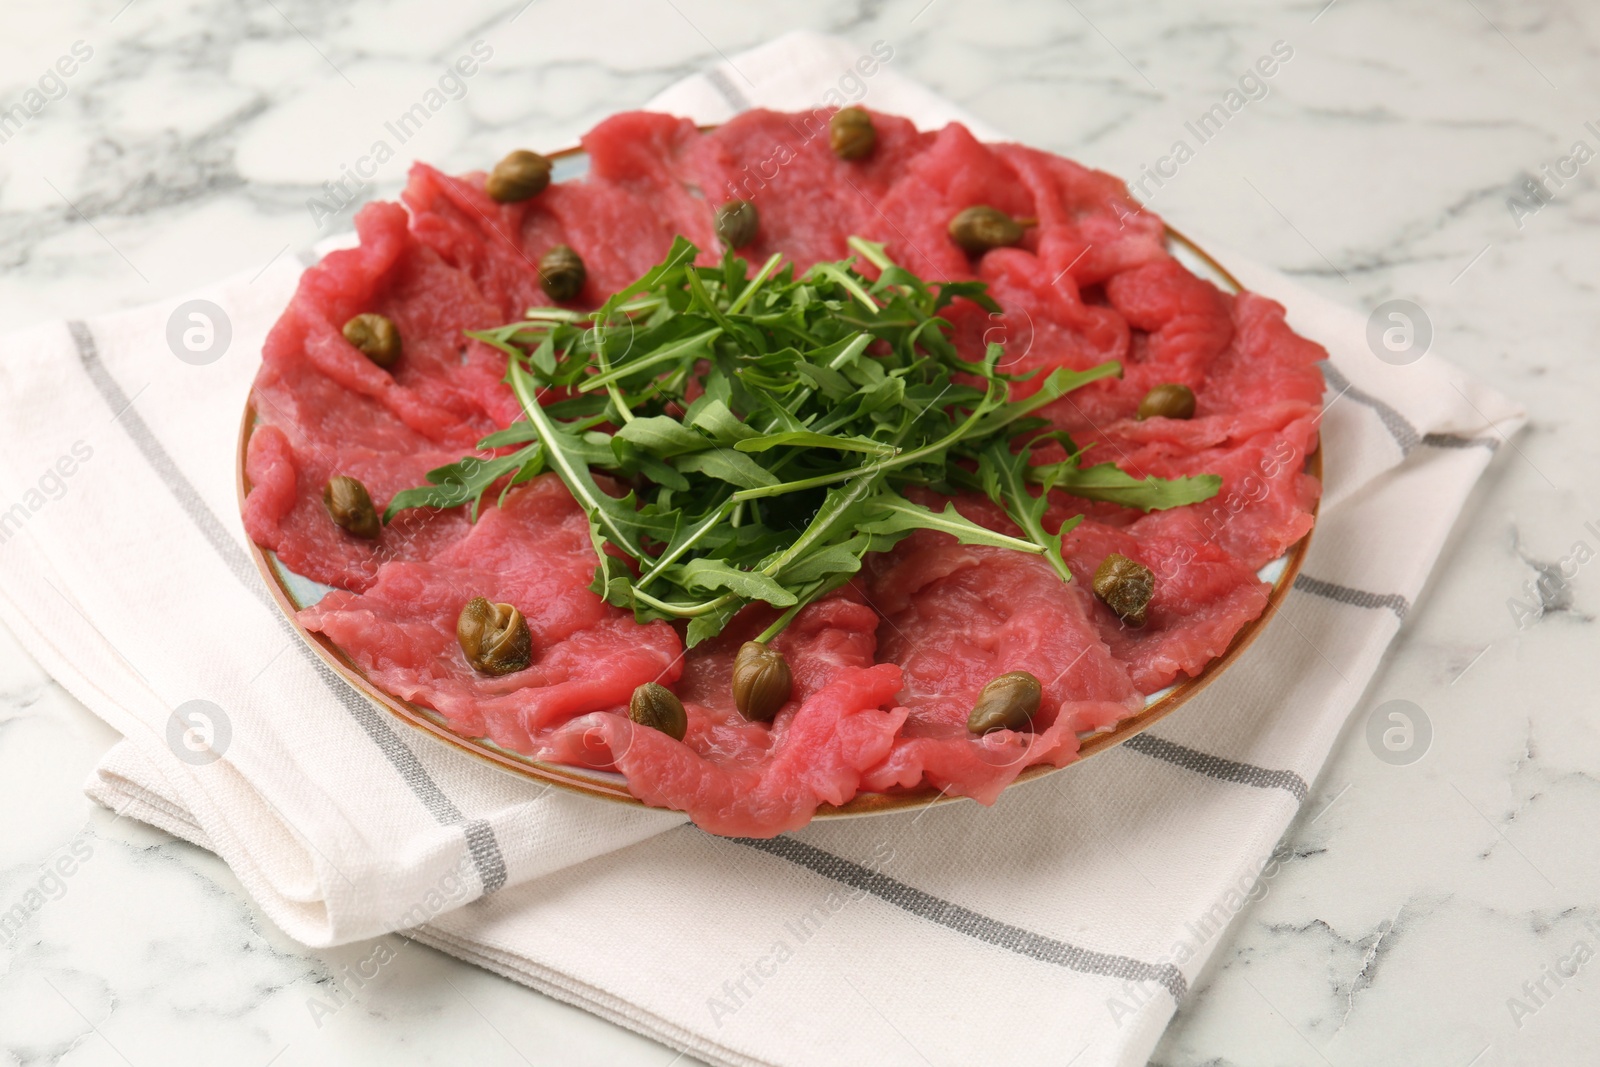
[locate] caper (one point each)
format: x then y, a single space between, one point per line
737 222
980 228
1126 586
851 133
495 637
655 706
1168 401
1009 702
761 681
376 337
519 175
562 273
348 501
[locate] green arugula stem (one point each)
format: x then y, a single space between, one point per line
672 555
682 611
780 623
552 315
871 252
617 400
660 355
755 283
851 286
879 467
935 521
575 475
832 510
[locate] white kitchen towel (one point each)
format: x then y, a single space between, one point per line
1062 925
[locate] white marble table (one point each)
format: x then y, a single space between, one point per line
1424 906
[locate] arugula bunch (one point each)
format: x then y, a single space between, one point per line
765 428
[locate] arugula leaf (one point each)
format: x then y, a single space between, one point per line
810 439
467 479
728 465
894 514
1105 481
1005 479
1058 384
708 572
704 627
664 436
518 433
840 559
723 425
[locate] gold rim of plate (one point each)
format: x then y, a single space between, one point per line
610 785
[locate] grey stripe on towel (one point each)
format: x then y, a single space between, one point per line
480 839
1405 434
1211 766
726 88
1344 594
1455 440
968 922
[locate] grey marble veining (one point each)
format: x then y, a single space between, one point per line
1420 911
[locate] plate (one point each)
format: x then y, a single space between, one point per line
293 592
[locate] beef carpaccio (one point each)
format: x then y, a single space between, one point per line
887 668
